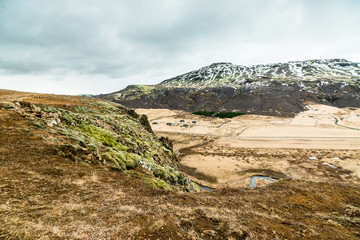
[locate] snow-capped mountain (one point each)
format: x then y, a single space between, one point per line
220 74
270 89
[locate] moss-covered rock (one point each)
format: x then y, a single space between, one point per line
161 173
156 183
101 132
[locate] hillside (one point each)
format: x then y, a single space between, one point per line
84 168
270 89
94 132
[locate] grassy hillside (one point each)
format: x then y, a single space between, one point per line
81 168
96 132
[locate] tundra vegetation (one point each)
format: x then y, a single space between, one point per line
101 132
82 168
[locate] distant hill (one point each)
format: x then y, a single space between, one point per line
269 89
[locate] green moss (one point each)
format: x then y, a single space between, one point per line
91 147
167 173
177 176
49 109
120 140
69 117
148 159
82 109
117 164
196 187
79 140
122 160
105 106
131 160
38 124
156 183
104 136
165 149
72 148
161 172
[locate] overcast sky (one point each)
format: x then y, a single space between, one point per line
101 46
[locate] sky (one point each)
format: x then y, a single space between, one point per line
93 47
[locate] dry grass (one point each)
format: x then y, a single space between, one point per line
44 196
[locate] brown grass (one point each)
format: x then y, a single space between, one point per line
44 196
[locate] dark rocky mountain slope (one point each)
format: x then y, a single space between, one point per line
272 89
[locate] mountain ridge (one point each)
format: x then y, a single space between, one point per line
280 89
297 70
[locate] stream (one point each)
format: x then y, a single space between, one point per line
251 185
204 187
253 180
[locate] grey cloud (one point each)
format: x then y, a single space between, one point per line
147 41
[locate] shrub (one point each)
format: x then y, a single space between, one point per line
228 114
204 113
219 114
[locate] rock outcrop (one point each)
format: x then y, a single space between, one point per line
93 131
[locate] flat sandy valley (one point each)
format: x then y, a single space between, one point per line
320 144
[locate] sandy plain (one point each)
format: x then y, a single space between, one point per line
320 144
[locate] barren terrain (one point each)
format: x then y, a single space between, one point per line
45 195
320 144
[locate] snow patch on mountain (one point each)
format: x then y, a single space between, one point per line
228 74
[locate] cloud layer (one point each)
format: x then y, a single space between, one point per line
90 46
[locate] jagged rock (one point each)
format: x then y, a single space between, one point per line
25 104
167 143
145 122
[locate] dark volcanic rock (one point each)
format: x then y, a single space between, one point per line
271 100
273 89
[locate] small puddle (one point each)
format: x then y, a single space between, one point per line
251 185
204 187
253 180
